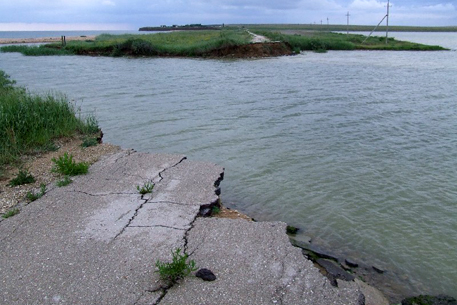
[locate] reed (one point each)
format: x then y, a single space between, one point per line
30 122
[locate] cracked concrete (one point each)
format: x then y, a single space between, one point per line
97 240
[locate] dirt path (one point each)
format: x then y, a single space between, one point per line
258 38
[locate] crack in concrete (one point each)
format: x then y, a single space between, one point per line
130 220
124 155
164 293
281 291
159 226
186 235
171 202
142 198
102 194
165 169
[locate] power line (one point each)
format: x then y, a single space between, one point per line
348 23
387 28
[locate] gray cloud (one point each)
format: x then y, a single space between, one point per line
149 13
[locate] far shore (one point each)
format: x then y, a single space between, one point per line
44 39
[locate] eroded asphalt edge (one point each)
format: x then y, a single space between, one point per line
97 240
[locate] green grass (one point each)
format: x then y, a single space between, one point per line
146 188
89 141
11 213
64 182
215 210
177 269
200 43
34 196
23 177
187 43
323 41
30 122
65 165
42 50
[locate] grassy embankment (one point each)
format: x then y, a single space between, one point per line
29 123
323 41
189 43
201 43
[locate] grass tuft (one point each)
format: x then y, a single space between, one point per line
88 142
65 165
64 182
11 213
177 269
23 177
34 196
146 188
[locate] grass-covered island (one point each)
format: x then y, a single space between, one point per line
225 42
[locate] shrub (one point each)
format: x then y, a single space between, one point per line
23 177
66 166
177 269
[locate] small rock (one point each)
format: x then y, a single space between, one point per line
378 270
334 272
206 275
351 263
361 300
292 230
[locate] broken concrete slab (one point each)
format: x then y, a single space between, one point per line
97 240
190 183
92 243
124 171
255 264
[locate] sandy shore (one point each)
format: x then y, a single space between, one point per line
43 39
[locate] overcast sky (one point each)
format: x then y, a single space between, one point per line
132 14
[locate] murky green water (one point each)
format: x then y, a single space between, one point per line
358 149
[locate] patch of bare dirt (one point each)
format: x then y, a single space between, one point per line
40 165
232 214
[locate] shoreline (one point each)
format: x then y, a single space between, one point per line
121 233
313 253
44 39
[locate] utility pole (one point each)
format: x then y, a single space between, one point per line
387 28
348 23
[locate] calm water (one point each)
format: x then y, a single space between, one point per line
359 149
